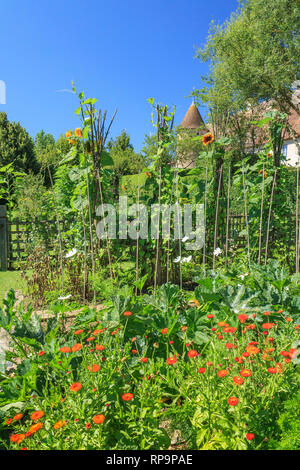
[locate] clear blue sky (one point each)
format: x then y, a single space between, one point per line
119 51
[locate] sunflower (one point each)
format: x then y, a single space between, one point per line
208 139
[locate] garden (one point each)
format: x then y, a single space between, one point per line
150 304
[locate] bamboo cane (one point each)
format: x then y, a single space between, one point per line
138 235
85 252
179 234
261 214
157 241
205 210
227 215
216 217
246 214
269 217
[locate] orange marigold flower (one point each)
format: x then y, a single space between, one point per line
207 139
99 419
127 396
91 338
127 314
222 373
18 417
165 331
267 326
144 359
76 347
222 323
245 373
17 438
78 132
238 380
192 353
288 319
65 349
252 350
233 401
34 428
229 329
75 387
171 360
97 332
78 332
250 436
99 347
36 415
243 317
94 368
60 424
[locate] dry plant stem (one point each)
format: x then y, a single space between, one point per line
269 217
84 245
157 240
216 217
105 227
205 210
261 213
91 234
138 234
246 215
59 231
297 222
168 247
227 215
179 235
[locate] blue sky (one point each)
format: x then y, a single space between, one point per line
119 51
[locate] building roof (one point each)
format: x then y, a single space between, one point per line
192 119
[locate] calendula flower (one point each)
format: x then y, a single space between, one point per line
37 415
238 380
18 417
60 424
34 428
267 326
65 349
99 347
127 396
222 373
76 347
98 419
242 317
17 438
171 360
245 373
233 401
75 387
94 368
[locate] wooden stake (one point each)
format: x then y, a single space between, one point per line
138 235
158 240
216 218
246 214
227 215
269 217
261 213
205 210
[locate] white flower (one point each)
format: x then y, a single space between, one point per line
64 298
186 260
185 239
71 253
242 276
176 260
217 251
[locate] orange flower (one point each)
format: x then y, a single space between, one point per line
165 331
96 332
34 428
99 347
94 368
252 350
65 349
91 338
238 380
37 415
18 416
88 426
192 353
245 373
184 328
228 345
222 323
78 132
9 421
60 424
144 359
99 419
233 401
293 353
267 326
127 396
78 332
229 329
41 353
222 373
76 347
75 387
127 314
201 370
250 436
243 317
208 139
68 134
17 438
171 360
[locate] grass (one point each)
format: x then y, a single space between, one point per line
10 280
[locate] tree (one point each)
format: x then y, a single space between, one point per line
253 57
126 161
16 146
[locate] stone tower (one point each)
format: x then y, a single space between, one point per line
191 126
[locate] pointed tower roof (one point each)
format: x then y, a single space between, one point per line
192 119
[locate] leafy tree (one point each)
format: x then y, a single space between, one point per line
16 146
126 160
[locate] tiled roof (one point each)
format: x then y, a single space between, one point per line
192 119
